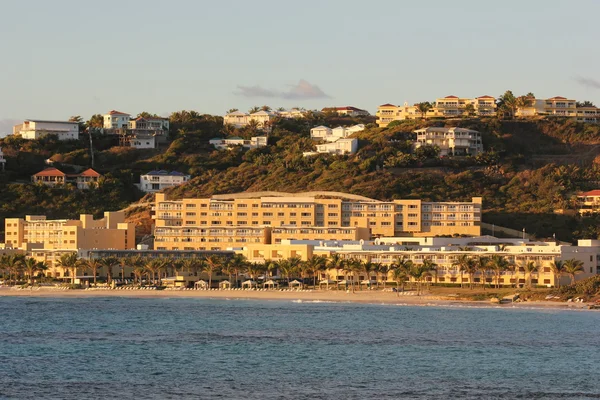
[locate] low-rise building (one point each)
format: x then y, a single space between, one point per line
346 110
229 143
240 119
36 128
339 147
149 124
53 176
331 135
451 141
155 181
446 107
46 240
444 254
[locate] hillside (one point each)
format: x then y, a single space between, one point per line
529 169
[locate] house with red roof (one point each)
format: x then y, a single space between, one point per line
53 176
588 202
87 178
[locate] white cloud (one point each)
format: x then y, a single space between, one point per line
302 90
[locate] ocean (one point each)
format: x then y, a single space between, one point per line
180 348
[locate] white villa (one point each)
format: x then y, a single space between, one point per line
253 143
116 120
347 110
339 147
291 113
155 181
451 141
35 129
240 119
2 159
149 124
331 135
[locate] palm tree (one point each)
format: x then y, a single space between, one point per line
316 264
238 262
400 271
286 267
232 110
461 263
529 267
572 267
265 108
109 263
93 264
482 266
470 268
498 264
211 265
253 110
31 267
418 272
70 262
335 261
423 108
431 267
254 269
557 269
14 264
367 267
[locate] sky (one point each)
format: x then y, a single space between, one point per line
64 57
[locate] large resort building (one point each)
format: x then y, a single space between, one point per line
485 106
229 221
46 240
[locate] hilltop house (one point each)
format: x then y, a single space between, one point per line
451 141
116 120
228 143
240 119
155 181
332 135
52 176
36 128
347 110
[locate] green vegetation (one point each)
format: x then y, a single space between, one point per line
529 169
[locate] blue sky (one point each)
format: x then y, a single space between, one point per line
64 58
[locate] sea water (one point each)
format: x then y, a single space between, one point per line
127 348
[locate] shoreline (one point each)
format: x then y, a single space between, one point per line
363 297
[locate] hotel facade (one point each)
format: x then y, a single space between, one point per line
444 253
229 221
46 240
485 106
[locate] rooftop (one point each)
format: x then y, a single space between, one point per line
165 173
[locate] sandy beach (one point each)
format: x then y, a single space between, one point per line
370 297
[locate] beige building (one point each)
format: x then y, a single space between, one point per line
47 239
36 129
446 107
444 253
588 202
451 141
226 221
